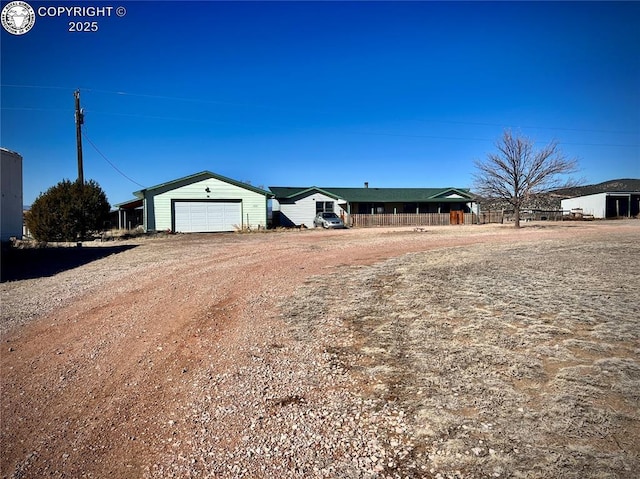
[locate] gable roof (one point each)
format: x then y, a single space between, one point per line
380 195
287 192
203 175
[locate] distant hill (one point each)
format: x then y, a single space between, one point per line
551 200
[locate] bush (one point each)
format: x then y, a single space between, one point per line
68 212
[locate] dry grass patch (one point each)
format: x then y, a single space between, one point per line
517 360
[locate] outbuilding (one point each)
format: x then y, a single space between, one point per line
11 192
200 203
618 204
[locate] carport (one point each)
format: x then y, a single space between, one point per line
129 214
621 205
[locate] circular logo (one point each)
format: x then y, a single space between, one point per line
18 17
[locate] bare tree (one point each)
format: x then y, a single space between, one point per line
517 171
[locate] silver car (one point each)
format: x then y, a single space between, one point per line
328 220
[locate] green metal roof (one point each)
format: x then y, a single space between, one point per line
379 195
203 175
292 192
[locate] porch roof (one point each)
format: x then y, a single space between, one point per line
382 195
128 205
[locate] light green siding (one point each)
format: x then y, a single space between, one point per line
159 209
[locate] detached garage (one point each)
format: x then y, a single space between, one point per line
199 216
201 203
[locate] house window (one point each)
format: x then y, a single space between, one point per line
324 206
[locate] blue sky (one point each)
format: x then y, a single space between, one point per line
320 93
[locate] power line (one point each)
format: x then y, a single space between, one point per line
107 160
36 109
351 132
157 97
346 131
244 105
154 117
37 86
456 138
588 130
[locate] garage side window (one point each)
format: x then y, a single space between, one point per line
324 206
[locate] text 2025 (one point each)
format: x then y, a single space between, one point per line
83 26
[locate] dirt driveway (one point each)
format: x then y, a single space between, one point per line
182 357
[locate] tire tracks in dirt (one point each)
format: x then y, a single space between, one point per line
88 389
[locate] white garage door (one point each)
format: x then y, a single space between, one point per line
206 216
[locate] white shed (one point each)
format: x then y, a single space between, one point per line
605 205
11 200
203 202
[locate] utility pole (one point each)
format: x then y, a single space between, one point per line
79 122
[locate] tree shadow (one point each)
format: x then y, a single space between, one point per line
19 264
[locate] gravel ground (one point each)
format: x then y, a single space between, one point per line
507 360
203 356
